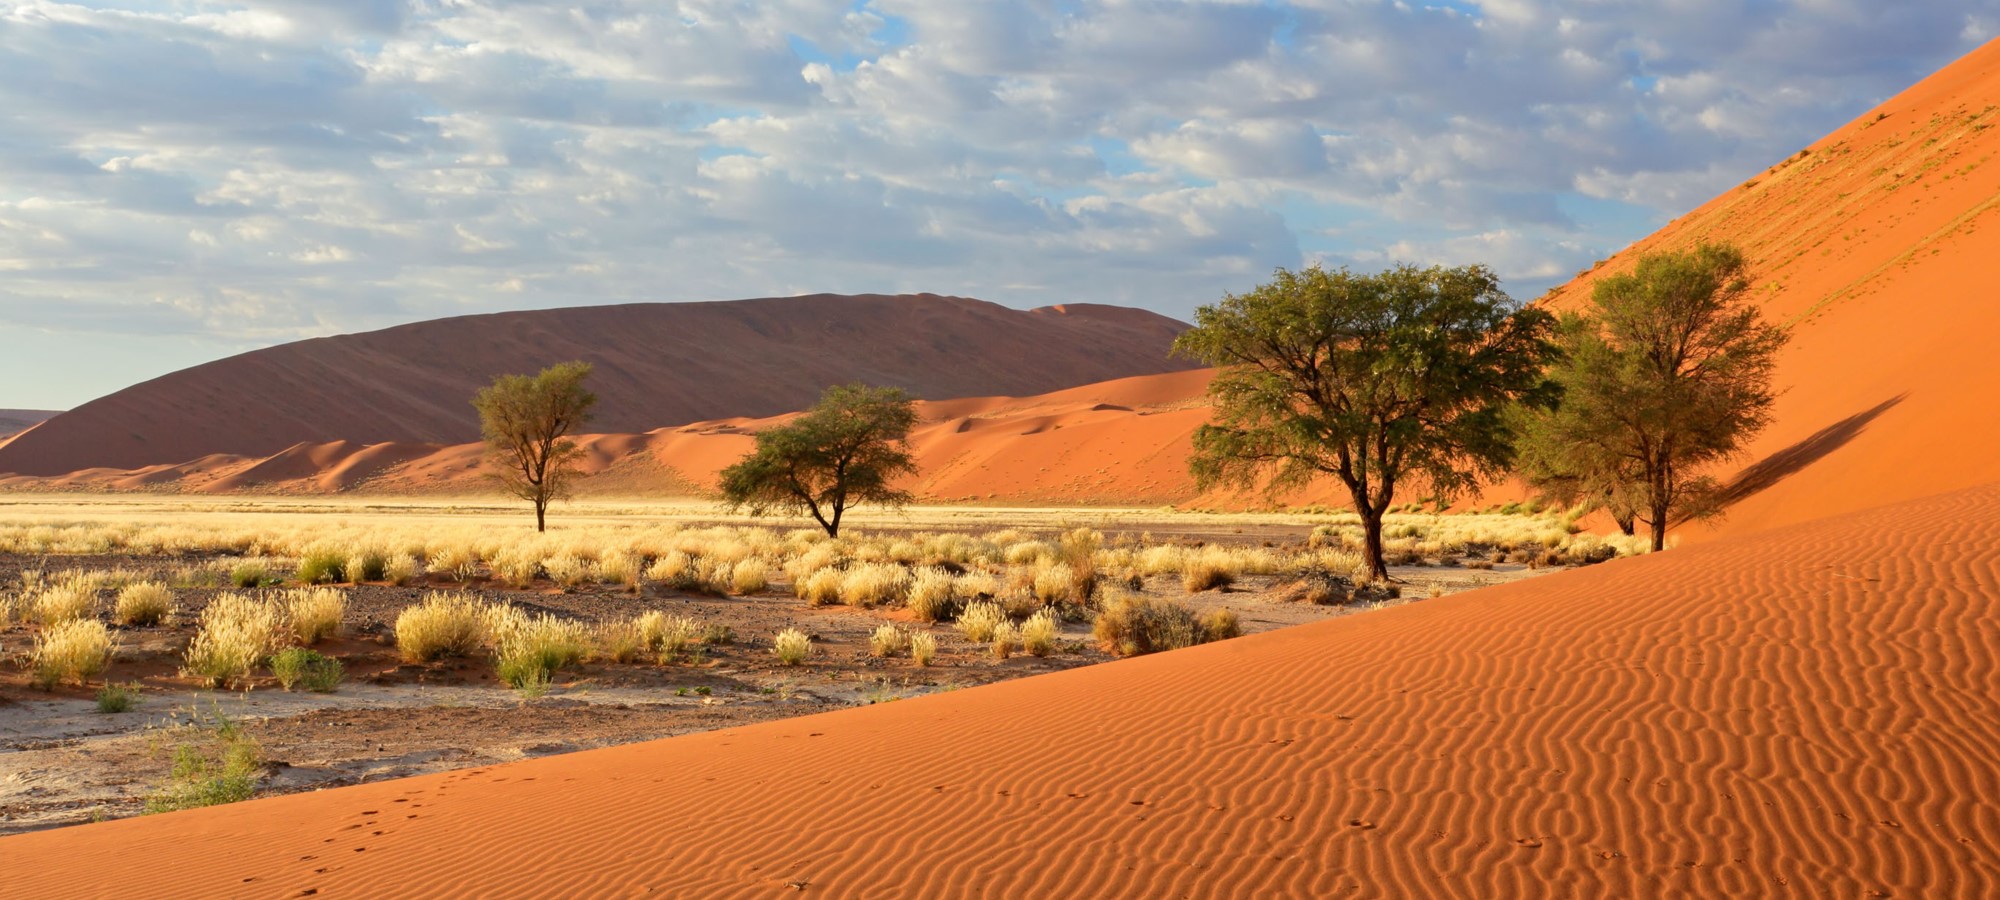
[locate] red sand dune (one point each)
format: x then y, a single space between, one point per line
15 421
657 364
1807 712
1879 244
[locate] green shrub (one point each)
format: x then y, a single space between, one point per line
322 566
367 565
251 573
299 667
117 698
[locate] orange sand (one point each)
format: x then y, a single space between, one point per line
1806 712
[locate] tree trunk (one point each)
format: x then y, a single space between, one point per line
541 515
833 527
1371 545
1626 522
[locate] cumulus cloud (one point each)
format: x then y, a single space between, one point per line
259 170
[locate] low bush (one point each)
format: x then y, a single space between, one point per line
1206 572
74 651
367 565
143 603
568 572
1131 626
1005 639
299 667
821 588
621 569
792 646
1220 625
443 624
235 634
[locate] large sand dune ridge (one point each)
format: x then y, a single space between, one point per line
1804 712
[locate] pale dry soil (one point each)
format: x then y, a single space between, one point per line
62 762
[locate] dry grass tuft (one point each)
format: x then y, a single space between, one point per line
400 570
923 648
792 646
1005 639
74 651
1131 626
530 649
874 584
443 624
143 603
237 631
1038 634
933 594
979 620
313 613
69 599
749 576
888 640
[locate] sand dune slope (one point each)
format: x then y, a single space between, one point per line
658 364
1806 712
1877 245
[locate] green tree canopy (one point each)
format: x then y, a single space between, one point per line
526 421
847 450
1376 380
1668 374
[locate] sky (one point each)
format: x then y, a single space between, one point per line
182 180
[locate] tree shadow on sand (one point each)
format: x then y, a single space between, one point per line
1784 463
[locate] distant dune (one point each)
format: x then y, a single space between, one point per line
658 364
1880 245
1808 712
15 421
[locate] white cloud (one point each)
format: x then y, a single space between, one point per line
272 169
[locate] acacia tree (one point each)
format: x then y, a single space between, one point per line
526 421
1670 373
1562 457
847 450
1373 379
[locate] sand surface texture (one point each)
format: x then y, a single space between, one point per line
1805 712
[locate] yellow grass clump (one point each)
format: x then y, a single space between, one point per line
313 613
236 632
530 649
979 620
620 569
821 588
1038 634
749 576
923 648
1005 639
400 569
75 651
69 599
888 640
443 624
874 584
143 603
792 646
568 572
933 594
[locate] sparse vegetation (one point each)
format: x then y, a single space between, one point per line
117 698
530 649
979 620
212 765
321 565
888 640
1131 626
1038 634
923 648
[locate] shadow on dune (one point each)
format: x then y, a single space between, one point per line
1783 464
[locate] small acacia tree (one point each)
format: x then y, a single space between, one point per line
1372 379
527 421
1670 373
847 450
